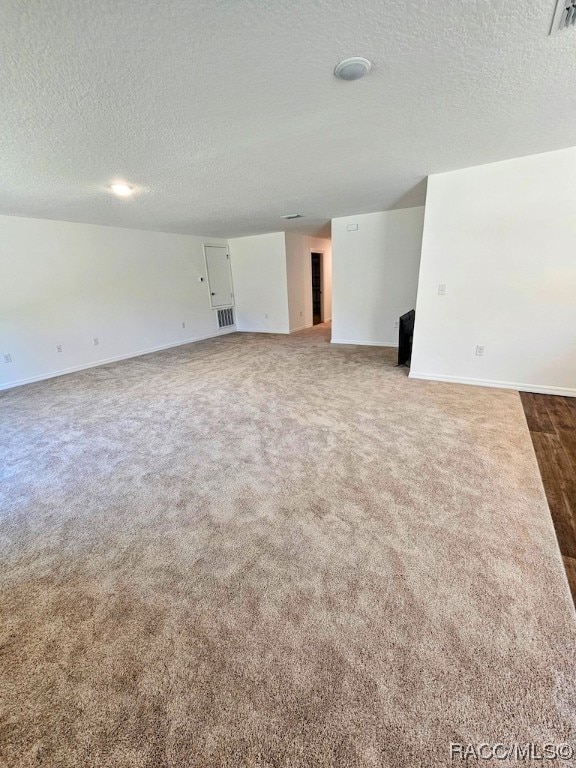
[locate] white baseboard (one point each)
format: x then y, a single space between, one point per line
540 389
260 330
301 328
107 360
366 343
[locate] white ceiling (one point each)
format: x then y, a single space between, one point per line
227 115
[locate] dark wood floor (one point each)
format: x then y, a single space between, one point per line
552 424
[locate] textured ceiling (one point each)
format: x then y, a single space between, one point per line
227 115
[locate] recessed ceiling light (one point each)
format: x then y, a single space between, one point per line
121 189
353 68
292 216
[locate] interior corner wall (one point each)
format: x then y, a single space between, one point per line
375 262
502 239
260 283
64 284
299 276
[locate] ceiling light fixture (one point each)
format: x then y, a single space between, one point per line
292 216
353 68
121 189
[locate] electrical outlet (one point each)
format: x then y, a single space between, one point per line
266 316
7 358
58 347
183 325
480 350
300 314
442 289
397 324
96 341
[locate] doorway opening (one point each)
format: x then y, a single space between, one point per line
317 287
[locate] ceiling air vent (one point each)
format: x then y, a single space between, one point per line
564 16
296 215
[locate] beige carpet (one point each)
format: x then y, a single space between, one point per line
270 551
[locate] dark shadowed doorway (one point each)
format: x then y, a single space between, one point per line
317 308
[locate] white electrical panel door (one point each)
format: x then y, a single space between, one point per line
219 275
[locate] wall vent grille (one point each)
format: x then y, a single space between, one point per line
225 317
564 16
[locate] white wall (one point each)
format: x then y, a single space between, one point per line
299 275
502 237
375 274
260 283
326 280
64 284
